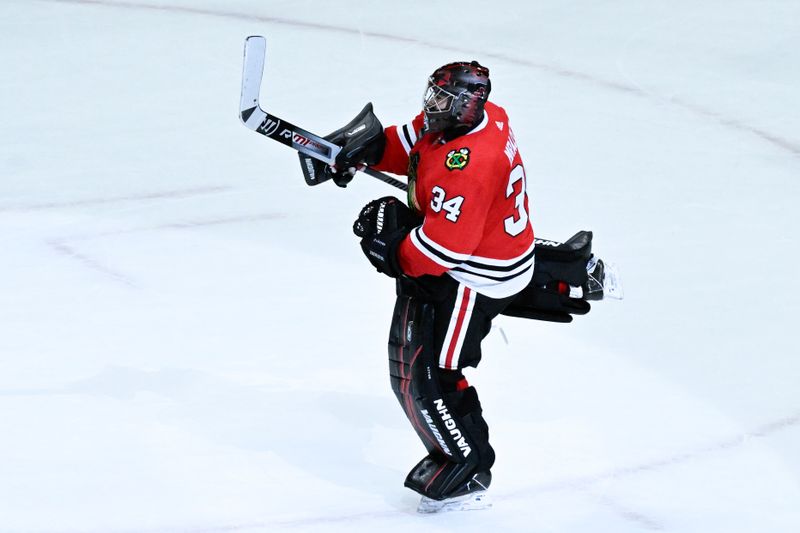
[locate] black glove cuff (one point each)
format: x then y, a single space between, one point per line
381 251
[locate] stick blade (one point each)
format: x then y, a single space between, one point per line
250 112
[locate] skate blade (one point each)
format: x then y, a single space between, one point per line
612 282
473 501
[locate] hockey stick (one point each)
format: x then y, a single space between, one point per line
258 120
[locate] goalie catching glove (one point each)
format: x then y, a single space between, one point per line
382 224
565 276
362 141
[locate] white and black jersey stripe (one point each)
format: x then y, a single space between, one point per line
407 135
495 278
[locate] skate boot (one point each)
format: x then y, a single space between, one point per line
447 486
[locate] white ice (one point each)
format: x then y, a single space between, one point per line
191 340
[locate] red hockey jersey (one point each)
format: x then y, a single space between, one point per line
472 193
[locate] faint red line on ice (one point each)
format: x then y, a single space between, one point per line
738 125
628 514
88 202
776 140
580 483
185 224
218 221
65 247
657 464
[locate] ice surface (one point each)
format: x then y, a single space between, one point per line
190 339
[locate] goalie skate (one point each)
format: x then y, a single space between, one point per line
604 281
473 501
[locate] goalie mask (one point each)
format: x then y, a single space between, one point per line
455 96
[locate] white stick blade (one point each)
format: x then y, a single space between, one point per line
255 48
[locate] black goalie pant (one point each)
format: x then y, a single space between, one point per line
437 328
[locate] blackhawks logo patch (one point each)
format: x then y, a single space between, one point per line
457 159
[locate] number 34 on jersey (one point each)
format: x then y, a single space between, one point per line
513 225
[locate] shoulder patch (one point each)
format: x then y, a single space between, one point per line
457 159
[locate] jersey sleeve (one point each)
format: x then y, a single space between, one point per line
455 219
399 141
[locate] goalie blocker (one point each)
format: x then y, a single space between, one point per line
362 141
